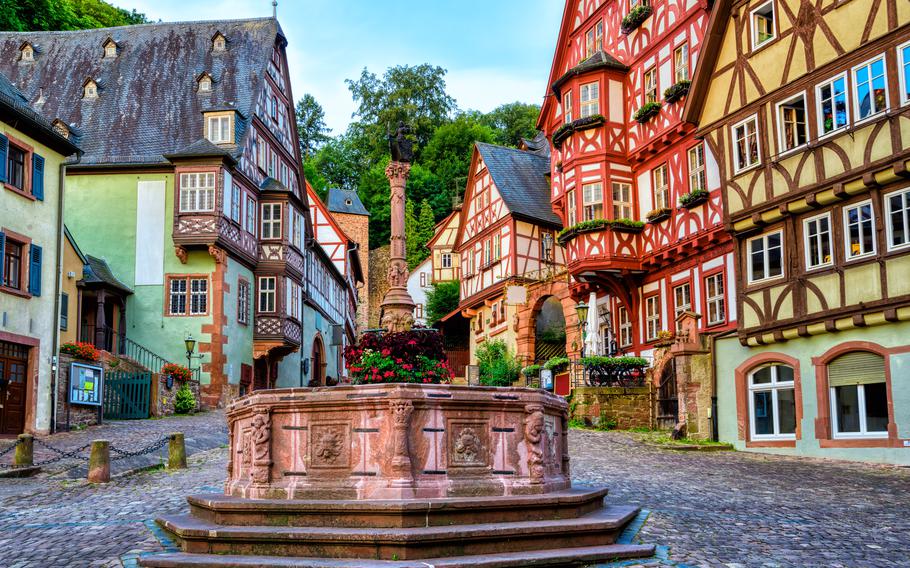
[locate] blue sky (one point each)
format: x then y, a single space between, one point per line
495 51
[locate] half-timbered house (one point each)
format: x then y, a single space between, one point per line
806 105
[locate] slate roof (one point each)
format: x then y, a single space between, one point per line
338 202
599 60
97 272
539 145
522 180
202 148
147 104
14 106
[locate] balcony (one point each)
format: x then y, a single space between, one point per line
281 257
602 246
197 230
279 334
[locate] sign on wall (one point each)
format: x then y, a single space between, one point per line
546 379
86 384
472 373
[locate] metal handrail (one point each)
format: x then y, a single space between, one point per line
120 344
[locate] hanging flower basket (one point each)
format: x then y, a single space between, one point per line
677 91
635 18
693 198
647 112
658 215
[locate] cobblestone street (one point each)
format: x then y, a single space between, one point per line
719 509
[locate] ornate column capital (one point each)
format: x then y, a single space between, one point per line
398 171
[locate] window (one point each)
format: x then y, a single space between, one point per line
28 53
594 39
661 182
681 63
904 66
218 43
593 197
590 99
197 192
832 105
12 265
859 395
205 84
682 296
791 123
236 202
262 154
766 257
90 90
859 231
622 200
546 246
897 206
650 85
64 310
446 260
251 215
110 50
571 208
745 144
870 89
292 306
243 302
652 317
423 279
271 221
625 327
487 253
567 106
267 294
219 129
714 297
188 295
763 28
15 167
772 403
697 177
817 232
497 247
273 108
418 311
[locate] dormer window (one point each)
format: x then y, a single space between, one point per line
204 83
90 90
219 128
27 52
219 42
61 128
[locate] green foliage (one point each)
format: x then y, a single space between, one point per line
319 183
599 361
557 364
598 224
442 299
311 126
513 121
677 91
531 371
382 367
184 400
418 232
692 197
646 112
636 17
41 15
340 164
496 364
552 335
448 153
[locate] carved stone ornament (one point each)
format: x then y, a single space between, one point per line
468 447
401 453
261 439
328 445
397 320
534 433
181 254
398 171
218 254
230 463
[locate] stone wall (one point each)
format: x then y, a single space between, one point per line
163 397
379 282
627 407
358 228
82 415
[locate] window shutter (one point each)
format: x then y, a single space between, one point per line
4 150
38 177
34 271
2 254
856 368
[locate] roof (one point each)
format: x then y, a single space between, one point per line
97 273
14 107
707 58
599 60
345 201
147 105
522 180
539 145
202 148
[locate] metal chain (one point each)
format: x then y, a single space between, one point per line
11 448
63 455
155 446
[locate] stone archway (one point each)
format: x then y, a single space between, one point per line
549 330
526 318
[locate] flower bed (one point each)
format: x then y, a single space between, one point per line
646 112
677 91
693 198
81 350
635 18
415 356
614 371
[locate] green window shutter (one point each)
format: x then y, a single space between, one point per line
38 177
34 271
856 368
2 254
4 151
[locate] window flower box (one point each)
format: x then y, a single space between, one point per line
618 225
677 91
627 226
646 112
658 215
578 125
694 198
635 18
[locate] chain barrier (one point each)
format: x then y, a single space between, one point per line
153 447
74 454
11 448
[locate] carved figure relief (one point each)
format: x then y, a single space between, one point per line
329 445
261 440
398 275
468 447
534 433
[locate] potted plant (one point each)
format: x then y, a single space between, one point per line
647 112
693 198
659 214
677 91
624 225
173 371
531 371
636 17
81 350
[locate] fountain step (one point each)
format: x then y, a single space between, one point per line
234 511
597 528
576 556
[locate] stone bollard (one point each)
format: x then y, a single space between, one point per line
25 451
99 462
176 452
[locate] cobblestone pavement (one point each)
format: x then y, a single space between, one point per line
724 509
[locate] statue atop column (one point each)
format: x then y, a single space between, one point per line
397 305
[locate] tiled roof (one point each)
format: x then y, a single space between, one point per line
521 178
345 201
599 60
14 105
147 104
98 272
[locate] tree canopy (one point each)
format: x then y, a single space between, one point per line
442 299
50 15
311 127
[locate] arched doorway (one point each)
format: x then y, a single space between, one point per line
550 330
318 363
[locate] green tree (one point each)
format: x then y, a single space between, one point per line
442 299
339 163
319 183
512 122
311 126
411 235
448 153
497 366
43 15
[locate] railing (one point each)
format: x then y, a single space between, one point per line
110 340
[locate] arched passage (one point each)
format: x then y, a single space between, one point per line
549 330
318 363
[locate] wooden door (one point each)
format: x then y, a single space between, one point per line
13 386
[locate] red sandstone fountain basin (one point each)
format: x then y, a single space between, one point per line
397 441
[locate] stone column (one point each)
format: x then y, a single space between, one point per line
397 305
100 322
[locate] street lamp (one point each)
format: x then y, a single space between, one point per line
190 345
582 310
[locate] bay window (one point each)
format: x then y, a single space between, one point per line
590 99
622 200
197 192
859 230
772 403
267 294
567 106
571 208
270 227
593 198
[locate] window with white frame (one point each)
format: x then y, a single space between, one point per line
772 403
177 299
293 306
593 201
833 110
251 215
236 202
897 209
652 317
262 154
423 279
682 299
870 89
197 192
270 227
903 53
446 260
763 26
698 178
199 295
818 241
714 298
594 39
661 180
766 257
590 99
792 129
267 294
859 230
745 144
187 295
681 63
487 253
625 327
571 208
859 395
650 85
622 200
567 107
219 129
